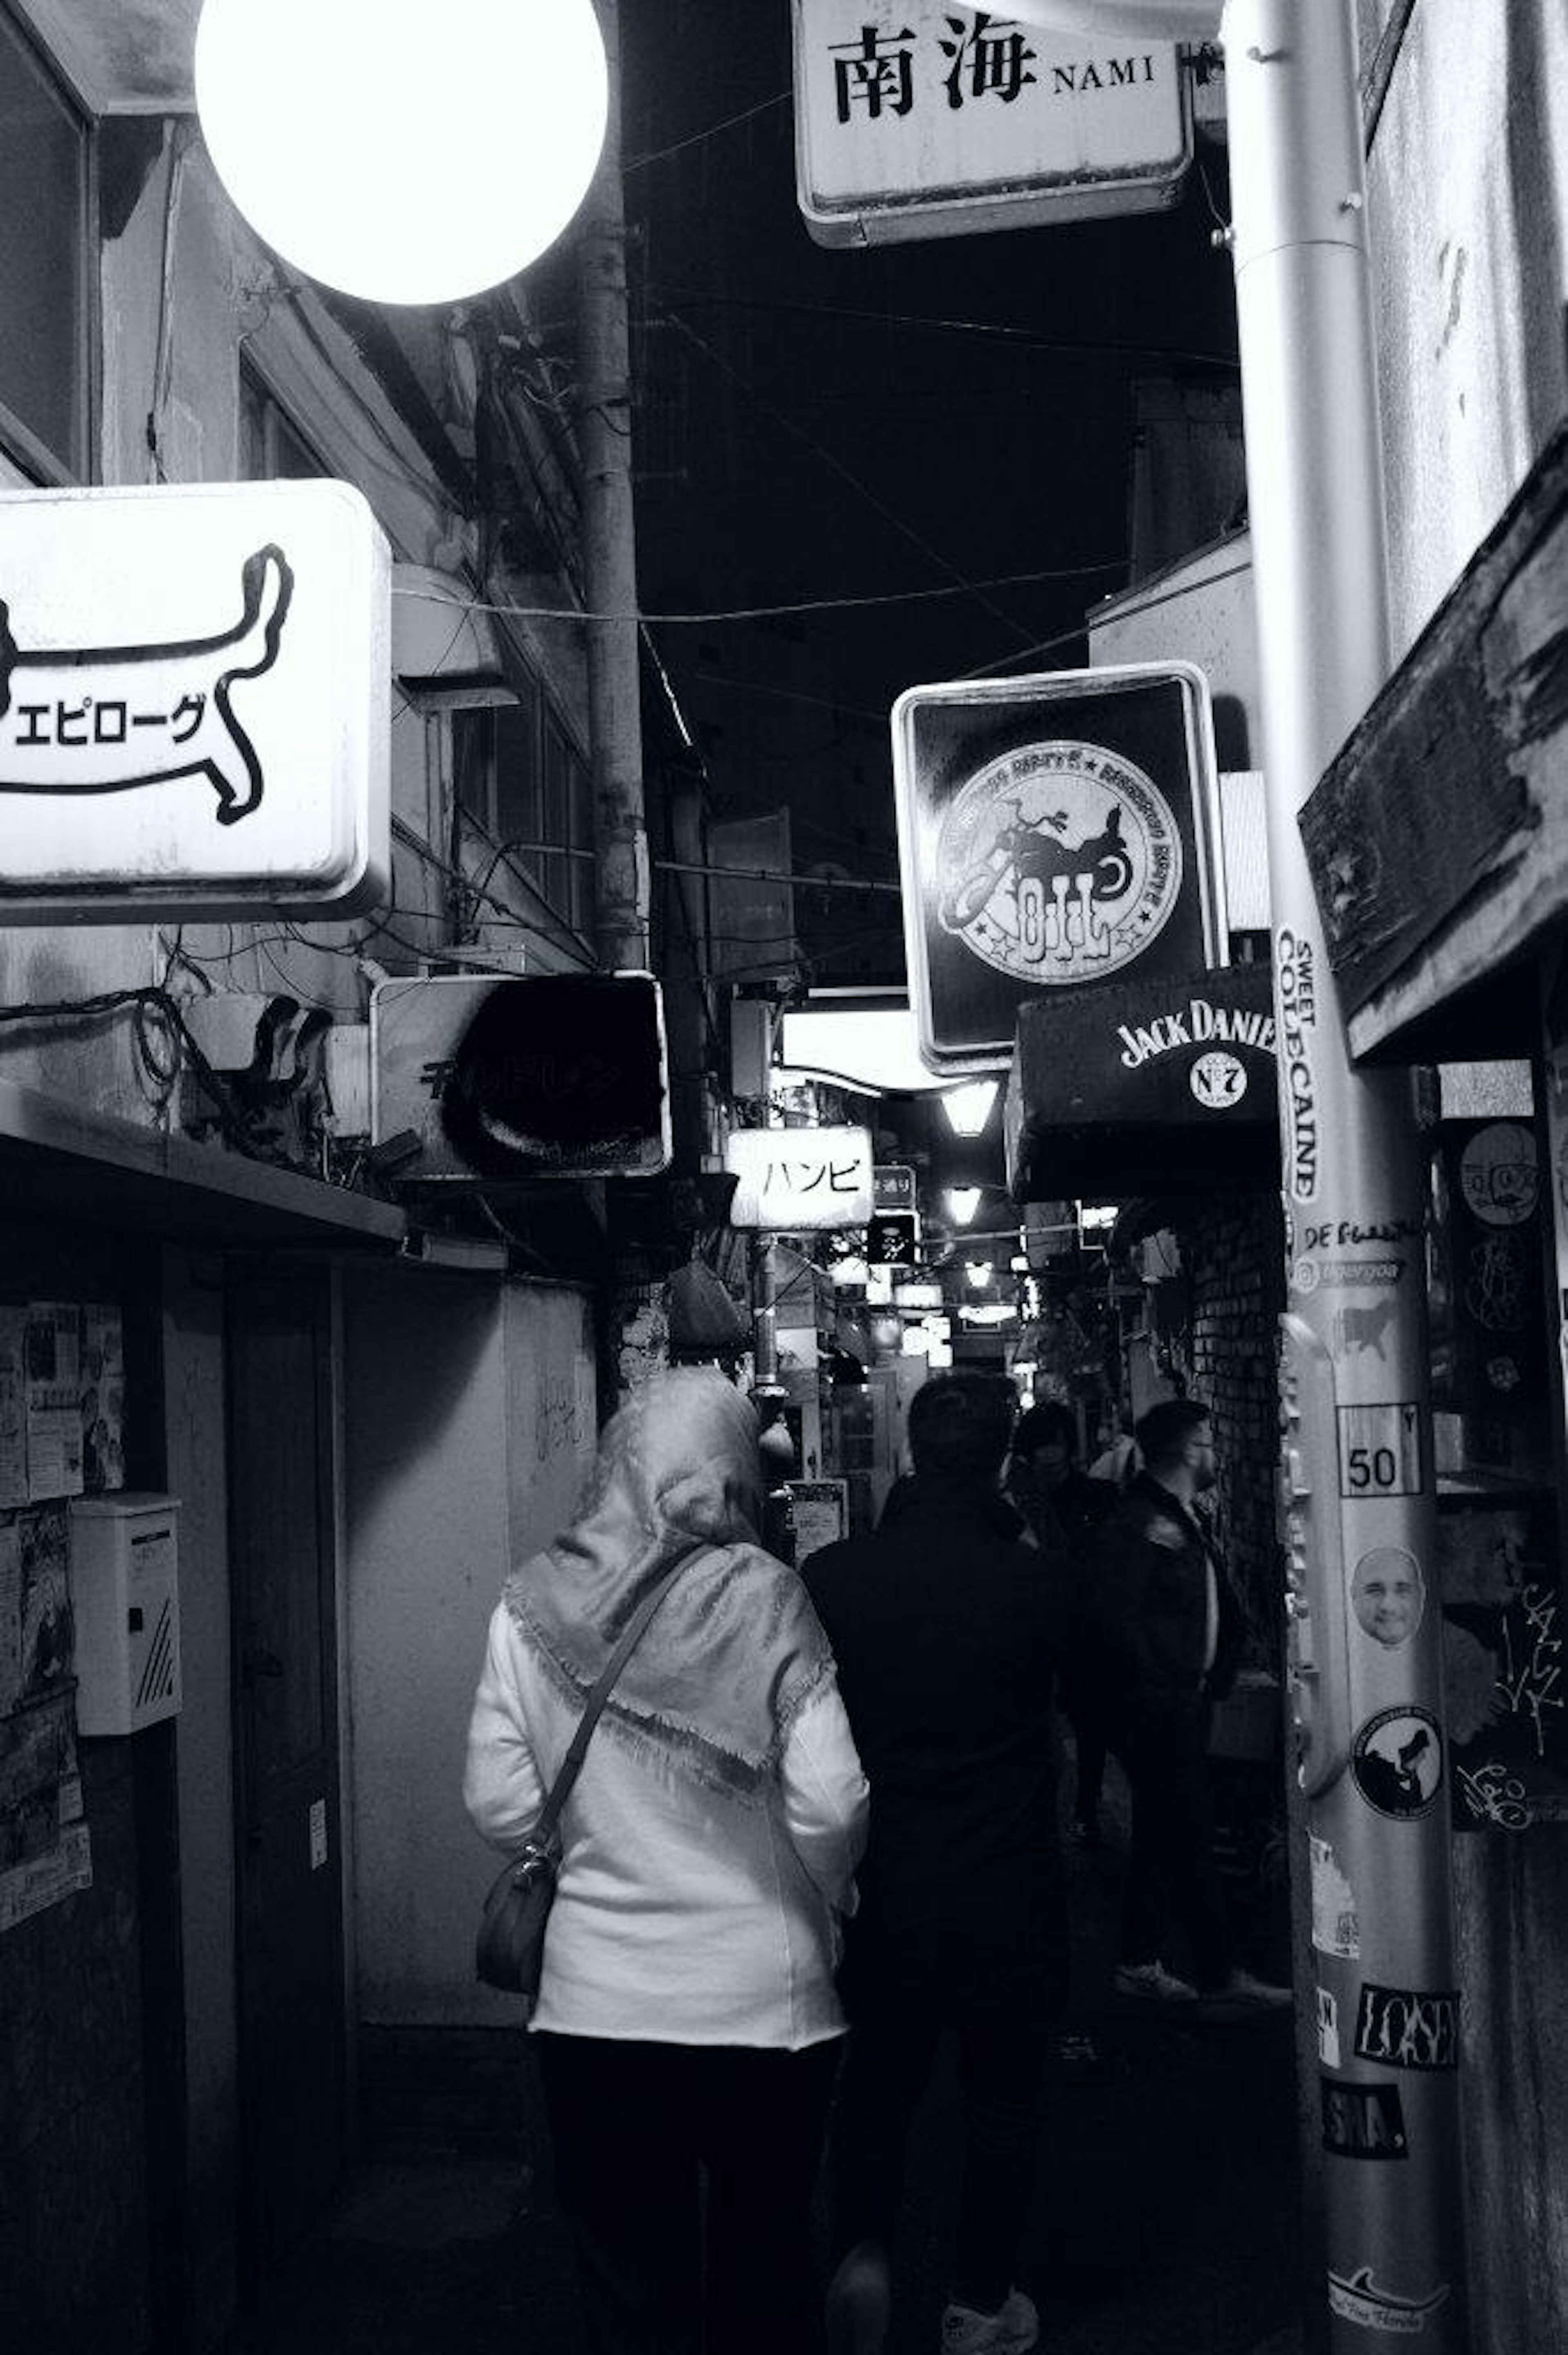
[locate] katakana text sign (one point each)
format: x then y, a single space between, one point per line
793 1181
1054 833
193 701
931 120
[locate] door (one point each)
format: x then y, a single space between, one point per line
292 2008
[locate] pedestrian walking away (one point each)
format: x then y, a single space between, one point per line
948 1632
687 2027
1064 1507
1157 1578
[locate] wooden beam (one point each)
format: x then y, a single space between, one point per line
1438 836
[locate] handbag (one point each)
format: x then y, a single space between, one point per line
509 1952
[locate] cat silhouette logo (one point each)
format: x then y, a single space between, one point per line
107 719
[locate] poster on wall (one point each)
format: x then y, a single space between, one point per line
45 1852
13 1407
48 1624
52 1355
10 1617
103 1399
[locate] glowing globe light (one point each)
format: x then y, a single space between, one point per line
408 151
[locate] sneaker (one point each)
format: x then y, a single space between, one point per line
858 2299
966 2331
1152 1983
1242 1992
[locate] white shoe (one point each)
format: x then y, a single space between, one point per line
966 2331
1152 1983
1241 1991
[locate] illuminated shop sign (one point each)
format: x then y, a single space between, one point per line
193 702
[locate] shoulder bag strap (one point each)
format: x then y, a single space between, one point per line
543 1829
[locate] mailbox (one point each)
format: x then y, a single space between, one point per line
125 1594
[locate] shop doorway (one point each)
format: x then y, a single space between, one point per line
288 1871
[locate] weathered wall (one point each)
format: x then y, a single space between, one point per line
1467 197
1468 211
469 1421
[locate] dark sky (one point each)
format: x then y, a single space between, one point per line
819 425
868 421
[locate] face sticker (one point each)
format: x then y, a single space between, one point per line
1388 1595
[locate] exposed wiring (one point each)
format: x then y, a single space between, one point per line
958 588
845 473
698 138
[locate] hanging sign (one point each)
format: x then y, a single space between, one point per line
1170 1082
193 702
1055 832
489 1077
928 120
796 1180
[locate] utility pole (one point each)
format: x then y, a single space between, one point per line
1358 1472
609 550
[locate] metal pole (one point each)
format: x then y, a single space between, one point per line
610 557
1366 1670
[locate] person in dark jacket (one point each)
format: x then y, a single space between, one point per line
1155 1574
1063 1508
948 1632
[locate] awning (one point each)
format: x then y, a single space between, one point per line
58 1161
1121 1088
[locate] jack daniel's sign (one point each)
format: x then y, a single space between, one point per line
1056 833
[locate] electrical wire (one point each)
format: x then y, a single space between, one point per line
958 588
845 473
698 138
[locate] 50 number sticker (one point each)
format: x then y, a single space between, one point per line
1380 1450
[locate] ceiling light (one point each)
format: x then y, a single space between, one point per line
398 151
962 1202
968 1108
979 1273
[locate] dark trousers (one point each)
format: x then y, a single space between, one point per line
1090 1754
886 2070
1173 1881
685 2174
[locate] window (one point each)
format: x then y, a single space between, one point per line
271 447
45 269
520 777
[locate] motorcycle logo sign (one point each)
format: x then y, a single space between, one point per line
1054 832
1059 863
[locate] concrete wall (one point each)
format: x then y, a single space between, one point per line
470 1423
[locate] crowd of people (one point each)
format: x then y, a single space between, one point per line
815 1839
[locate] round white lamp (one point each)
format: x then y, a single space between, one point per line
397 149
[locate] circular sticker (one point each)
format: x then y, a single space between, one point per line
1218 1080
1304 1275
1397 1762
1388 1595
1058 862
1499 1176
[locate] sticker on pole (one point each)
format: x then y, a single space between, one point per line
1397 1763
1380 1449
1356 2297
1363 2121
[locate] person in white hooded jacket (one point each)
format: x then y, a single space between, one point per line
687 2023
